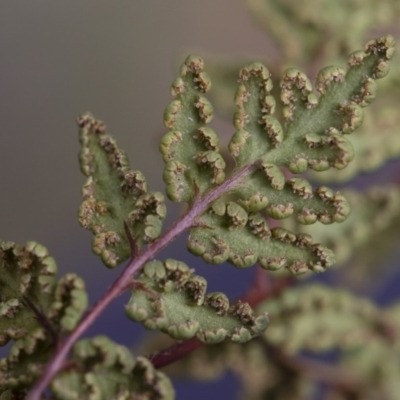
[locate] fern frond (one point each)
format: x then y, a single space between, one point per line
371 149
318 318
174 300
376 143
70 301
313 127
113 195
372 212
25 363
27 274
36 310
323 36
378 361
253 241
190 149
103 370
311 135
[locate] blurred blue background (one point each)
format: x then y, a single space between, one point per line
116 60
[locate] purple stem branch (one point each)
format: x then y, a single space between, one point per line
122 282
175 352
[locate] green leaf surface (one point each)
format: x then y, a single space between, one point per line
25 363
310 135
70 301
104 370
36 311
378 361
113 195
169 297
27 274
376 142
373 211
190 149
319 318
312 131
244 239
378 364
30 295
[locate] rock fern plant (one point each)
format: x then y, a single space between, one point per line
251 214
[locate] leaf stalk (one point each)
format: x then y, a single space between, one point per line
122 282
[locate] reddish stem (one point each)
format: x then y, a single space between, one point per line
122 282
175 352
263 288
